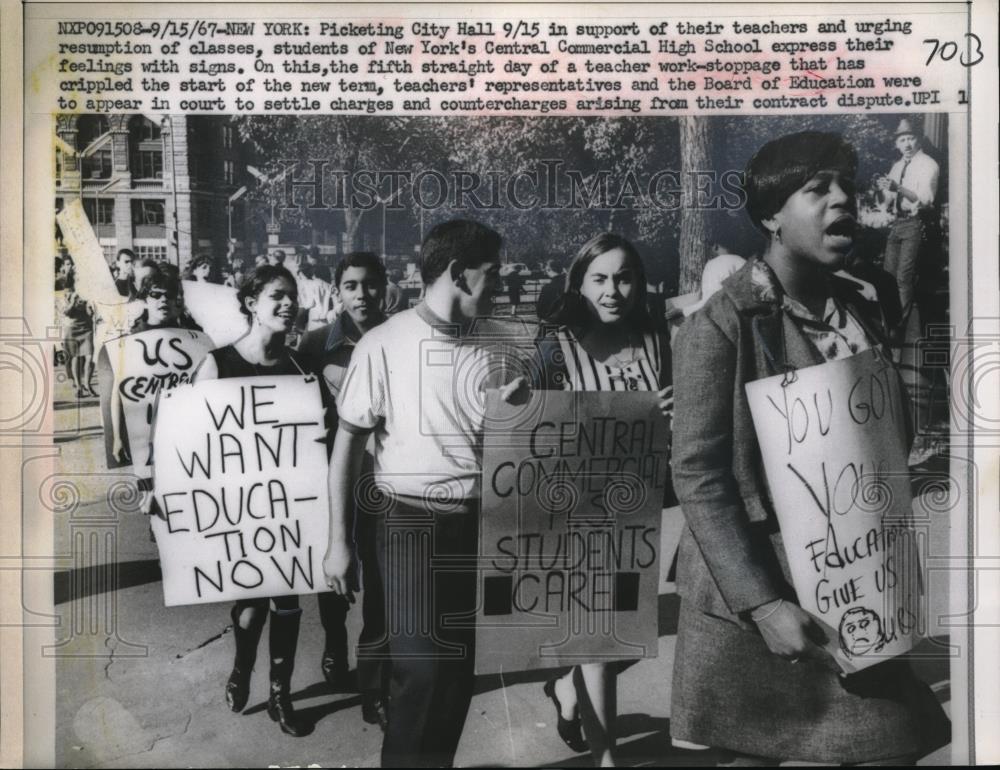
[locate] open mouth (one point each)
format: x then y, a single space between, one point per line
842 231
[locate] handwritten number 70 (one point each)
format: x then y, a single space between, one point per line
949 49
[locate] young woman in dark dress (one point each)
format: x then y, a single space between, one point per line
268 298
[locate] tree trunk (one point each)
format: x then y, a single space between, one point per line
352 228
694 232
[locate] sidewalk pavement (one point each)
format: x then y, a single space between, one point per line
141 685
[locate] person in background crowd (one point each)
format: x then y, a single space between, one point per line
605 340
548 297
76 317
361 281
514 285
716 270
723 260
238 272
159 296
202 269
64 265
277 258
913 179
315 298
424 441
123 273
741 630
260 260
393 293
320 269
268 299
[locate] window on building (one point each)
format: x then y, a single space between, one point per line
156 251
90 128
98 165
100 211
150 164
227 137
145 148
228 171
148 212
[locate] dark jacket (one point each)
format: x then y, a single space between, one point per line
731 555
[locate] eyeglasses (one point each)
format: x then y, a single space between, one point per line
160 294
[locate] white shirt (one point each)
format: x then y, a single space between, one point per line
314 296
419 388
920 175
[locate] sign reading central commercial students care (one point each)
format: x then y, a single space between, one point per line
240 476
573 487
832 438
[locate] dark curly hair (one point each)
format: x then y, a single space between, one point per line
255 281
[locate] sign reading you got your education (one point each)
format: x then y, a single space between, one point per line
832 437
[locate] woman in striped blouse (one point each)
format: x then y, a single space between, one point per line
601 337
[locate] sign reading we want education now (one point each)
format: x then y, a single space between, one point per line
832 437
573 487
240 477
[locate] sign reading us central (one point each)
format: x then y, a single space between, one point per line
240 476
573 487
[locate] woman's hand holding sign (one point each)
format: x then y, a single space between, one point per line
791 633
666 397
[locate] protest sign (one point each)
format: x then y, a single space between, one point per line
240 479
570 532
142 366
832 437
216 310
92 274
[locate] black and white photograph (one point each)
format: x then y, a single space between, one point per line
516 386
686 572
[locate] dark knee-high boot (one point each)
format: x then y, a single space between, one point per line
284 636
238 686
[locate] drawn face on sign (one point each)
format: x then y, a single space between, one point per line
861 632
276 305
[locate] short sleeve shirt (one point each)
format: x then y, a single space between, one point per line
417 383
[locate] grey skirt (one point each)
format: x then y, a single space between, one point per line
731 692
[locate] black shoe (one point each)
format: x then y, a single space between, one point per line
568 729
238 686
337 674
373 710
280 709
283 638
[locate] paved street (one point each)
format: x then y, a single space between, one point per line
142 685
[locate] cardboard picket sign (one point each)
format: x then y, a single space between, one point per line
573 488
240 479
832 437
92 274
216 310
142 366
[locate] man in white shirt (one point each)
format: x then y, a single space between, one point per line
913 180
412 383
